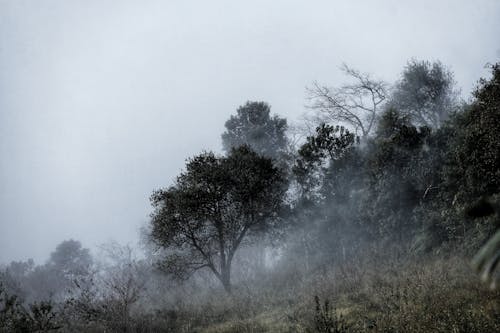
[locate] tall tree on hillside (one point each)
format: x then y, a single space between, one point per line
254 126
323 161
397 183
216 205
327 172
426 93
473 164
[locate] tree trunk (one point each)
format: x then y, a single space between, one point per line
226 277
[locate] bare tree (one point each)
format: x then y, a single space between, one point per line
355 104
124 279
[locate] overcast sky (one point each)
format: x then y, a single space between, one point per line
101 101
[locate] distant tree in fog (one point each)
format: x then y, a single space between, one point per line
123 279
14 275
355 105
254 126
67 266
425 93
216 205
70 259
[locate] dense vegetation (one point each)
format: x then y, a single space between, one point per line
366 224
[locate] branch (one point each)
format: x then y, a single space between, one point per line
237 242
350 102
205 255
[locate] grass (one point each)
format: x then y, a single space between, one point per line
432 295
368 294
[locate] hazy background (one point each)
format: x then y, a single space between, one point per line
102 101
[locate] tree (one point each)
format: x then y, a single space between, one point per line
473 165
254 126
397 166
14 277
426 93
323 160
355 105
71 259
215 206
69 263
327 172
124 278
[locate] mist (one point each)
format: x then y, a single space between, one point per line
101 102
119 120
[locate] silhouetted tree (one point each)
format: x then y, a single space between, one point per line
395 159
215 206
472 166
326 172
323 159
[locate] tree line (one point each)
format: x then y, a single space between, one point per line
384 163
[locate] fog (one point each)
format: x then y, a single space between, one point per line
101 102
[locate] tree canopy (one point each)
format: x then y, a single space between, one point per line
215 206
254 126
426 93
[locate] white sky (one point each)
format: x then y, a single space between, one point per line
101 101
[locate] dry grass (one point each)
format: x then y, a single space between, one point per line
438 295
370 294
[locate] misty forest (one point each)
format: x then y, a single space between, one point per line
377 211
370 215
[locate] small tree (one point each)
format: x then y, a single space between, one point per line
124 278
215 206
355 105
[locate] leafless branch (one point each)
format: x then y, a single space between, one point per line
356 104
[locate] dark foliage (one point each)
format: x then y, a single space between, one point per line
217 205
